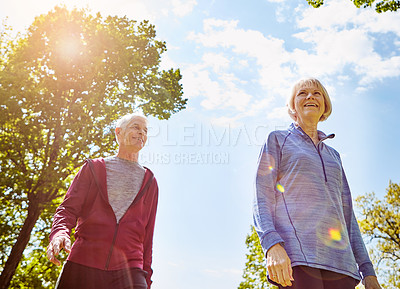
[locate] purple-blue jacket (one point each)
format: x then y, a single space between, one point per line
303 201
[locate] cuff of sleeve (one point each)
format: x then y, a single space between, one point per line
270 239
149 283
58 234
149 272
367 269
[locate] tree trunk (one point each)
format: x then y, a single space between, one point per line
19 246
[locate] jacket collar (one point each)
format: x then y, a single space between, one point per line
296 129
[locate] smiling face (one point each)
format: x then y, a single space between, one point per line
134 135
311 90
309 103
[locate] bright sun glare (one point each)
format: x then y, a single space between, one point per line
69 47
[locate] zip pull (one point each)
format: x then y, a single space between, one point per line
330 136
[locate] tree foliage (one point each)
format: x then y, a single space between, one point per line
255 271
380 221
380 6
61 85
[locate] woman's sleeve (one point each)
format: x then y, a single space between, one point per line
365 266
148 240
67 213
264 200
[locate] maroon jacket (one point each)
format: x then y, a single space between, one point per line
101 242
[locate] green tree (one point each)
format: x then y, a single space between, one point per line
380 6
380 221
61 85
255 271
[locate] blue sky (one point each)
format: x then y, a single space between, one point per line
239 60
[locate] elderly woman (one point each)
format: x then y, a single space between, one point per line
303 210
112 202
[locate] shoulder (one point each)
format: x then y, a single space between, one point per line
153 185
149 174
96 165
332 150
97 161
277 137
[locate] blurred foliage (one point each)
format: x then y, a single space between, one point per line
62 84
381 6
380 222
255 272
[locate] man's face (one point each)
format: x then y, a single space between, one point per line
134 135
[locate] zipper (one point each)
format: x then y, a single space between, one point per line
137 198
112 247
322 161
318 151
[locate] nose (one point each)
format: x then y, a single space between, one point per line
142 131
310 95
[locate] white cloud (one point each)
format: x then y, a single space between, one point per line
252 73
218 62
224 121
183 7
331 51
267 52
219 78
343 36
376 68
280 113
167 63
220 91
342 14
332 14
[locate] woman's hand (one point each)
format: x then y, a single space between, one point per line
279 266
55 246
371 282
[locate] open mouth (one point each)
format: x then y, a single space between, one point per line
311 105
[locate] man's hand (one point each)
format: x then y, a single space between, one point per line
371 282
279 266
55 246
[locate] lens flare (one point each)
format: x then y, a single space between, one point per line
267 165
335 234
280 188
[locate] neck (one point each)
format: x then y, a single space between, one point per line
130 156
310 128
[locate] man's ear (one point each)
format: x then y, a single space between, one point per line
117 133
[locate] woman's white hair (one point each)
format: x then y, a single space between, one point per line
125 120
307 82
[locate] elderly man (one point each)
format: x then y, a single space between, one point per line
112 202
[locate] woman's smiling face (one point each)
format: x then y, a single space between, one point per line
309 103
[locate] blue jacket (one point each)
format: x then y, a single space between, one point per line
303 201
